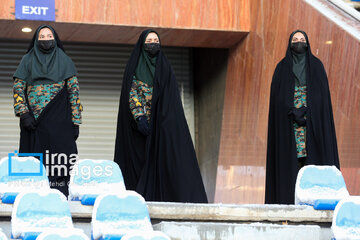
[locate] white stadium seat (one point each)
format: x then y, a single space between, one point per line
115 215
90 178
18 174
320 186
2 235
75 234
37 211
346 219
146 235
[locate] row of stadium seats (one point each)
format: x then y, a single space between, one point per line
324 188
89 178
100 182
42 213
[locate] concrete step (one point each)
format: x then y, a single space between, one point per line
230 231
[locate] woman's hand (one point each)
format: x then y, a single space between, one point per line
143 126
27 121
76 131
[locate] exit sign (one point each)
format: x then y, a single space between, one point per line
43 10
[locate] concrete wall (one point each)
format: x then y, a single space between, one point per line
210 67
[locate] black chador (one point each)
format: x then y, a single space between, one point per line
301 127
153 143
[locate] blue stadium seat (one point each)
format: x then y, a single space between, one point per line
114 215
75 234
21 173
146 235
320 186
37 211
2 235
346 219
90 178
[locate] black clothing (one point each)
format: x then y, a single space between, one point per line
52 133
27 121
163 165
321 147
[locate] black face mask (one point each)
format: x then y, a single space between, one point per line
46 45
152 48
299 47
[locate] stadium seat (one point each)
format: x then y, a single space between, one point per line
75 234
21 173
90 178
146 235
2 235
346 219
320 186
115 215
37 211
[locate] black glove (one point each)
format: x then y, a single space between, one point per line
143 126
298 115
76 131
27 121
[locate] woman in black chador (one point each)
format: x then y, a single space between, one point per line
301 127
153 143
46 98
